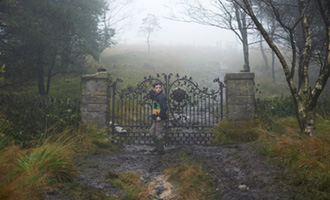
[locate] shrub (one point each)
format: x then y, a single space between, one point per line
275 107
323 106
26 118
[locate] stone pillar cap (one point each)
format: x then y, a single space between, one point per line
239 76
100 75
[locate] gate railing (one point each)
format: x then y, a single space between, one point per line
189 107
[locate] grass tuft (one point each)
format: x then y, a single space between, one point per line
29 174
306 159
193 181
48 165
234 132
132 185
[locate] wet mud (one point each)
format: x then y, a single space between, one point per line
238 170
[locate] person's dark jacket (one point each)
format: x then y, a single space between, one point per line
159 105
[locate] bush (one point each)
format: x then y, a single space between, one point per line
323 106
26 117
275 107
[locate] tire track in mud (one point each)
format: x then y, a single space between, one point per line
238 170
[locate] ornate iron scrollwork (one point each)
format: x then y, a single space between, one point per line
179 95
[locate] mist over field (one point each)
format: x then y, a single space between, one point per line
203 63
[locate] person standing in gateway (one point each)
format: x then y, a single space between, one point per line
159 116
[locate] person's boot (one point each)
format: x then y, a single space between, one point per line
160 147
154 149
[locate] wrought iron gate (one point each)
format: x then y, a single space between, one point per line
192 111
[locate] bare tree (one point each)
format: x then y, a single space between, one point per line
304 39
150 24
224 14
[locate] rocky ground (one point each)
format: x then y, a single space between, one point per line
238 170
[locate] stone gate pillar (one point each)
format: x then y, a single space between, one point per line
239 96
95 102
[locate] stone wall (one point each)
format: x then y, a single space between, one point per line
95 101
239 96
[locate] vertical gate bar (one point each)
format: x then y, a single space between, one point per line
140 110
194 110
133 109
213 115
136 123
113 108
117 114
148 113
221 90
190 111
137 111
198 111
182 114
121 109
129 110
205 110
209 107
125 106
218 111
144 114
167 92
186 124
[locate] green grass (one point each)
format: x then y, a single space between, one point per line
192 180
305 159
32 173
132 186
234 132
48 165
67 86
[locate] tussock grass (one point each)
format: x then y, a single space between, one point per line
132 185
29 174
48 165
234 132
193 181
306 160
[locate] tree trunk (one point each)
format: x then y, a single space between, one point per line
242 26
48 80
41 80
263 54
246 66
272 34
49 76
305 99
306 119
273 67
148 42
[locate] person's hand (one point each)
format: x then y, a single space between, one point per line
158 119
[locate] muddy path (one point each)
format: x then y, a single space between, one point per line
238 170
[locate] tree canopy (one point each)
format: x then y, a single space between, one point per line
39 38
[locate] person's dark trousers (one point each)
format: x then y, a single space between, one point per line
156 134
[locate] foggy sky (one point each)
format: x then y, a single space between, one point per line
172 32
